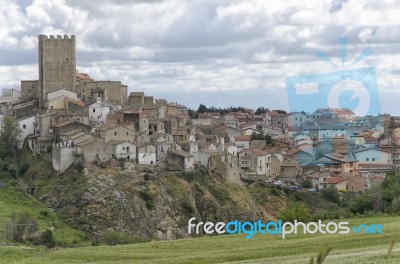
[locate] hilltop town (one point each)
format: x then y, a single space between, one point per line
67 117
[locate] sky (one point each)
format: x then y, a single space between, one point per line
215 52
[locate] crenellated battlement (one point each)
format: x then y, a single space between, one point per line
58 37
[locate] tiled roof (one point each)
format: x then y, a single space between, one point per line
242 138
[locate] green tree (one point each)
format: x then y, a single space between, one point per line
261 110
255 136
48 239
9 142
306 184
295 211
202 109
331 194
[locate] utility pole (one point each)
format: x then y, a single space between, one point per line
254 207
121 223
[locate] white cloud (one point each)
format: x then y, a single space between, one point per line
202 45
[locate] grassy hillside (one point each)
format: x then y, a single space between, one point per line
350 248
15 201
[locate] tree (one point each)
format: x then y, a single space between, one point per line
202 109
21 228
48 239
255 136
261 110
9 142
331 194
295 211
306 184
268 139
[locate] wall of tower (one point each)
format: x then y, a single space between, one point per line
57 65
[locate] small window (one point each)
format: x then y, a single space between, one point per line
367 159
115 133
373 159
127 133
94 110
24 126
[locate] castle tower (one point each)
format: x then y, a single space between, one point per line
57 65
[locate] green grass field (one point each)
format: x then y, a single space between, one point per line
349 248
15 201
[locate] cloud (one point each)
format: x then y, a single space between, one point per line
208 46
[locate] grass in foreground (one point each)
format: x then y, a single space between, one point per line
14 200
351 248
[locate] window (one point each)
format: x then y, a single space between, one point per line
94 110
123 148
115 133
367 159
24 126
127 133
373 159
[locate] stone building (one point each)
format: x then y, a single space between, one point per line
57 65
115 132
113 91
10 96
29 90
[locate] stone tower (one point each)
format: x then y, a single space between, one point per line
57 65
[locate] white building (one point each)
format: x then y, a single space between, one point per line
296 119
98 111
27 126
124 150
146 154
10 96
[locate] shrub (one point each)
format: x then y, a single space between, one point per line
275 192
47 239
295 211
113 237
331 194
306 184
188 207
21 228
148 198
396 205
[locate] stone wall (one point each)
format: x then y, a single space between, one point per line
112 91
57 65
29 90
62 158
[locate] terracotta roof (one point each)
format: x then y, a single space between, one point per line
273 114
334 180
242 138
292 152
258 152
77 102
82 75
